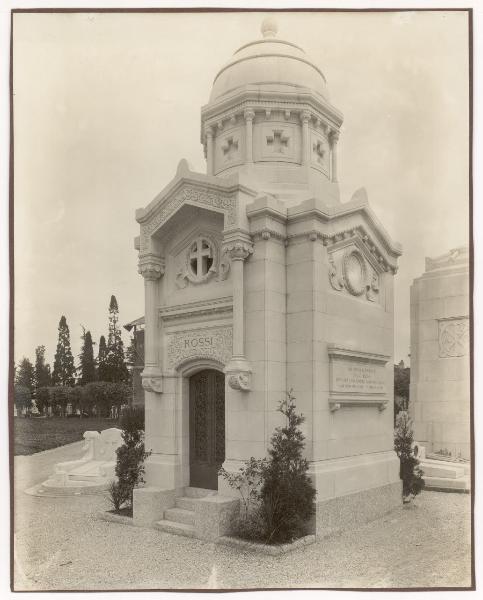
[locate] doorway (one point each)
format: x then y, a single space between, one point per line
207 427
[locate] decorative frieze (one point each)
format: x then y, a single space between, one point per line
214 343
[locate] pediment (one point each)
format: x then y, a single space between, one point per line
187 189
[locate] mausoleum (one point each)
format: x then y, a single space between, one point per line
259 279
440 355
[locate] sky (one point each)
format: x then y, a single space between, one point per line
106 105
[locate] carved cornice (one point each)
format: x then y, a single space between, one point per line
219 307
289 103
266 233
342 237
151 266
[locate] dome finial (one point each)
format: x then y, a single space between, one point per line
269 27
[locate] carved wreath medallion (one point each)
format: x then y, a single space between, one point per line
354 271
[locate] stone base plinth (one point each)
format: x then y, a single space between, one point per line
214 516
165 471
338 514
149 504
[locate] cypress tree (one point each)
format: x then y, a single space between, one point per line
101 360
64 370
116 365
43 377
87 363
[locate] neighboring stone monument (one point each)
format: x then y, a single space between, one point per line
440 357
257 280
90 474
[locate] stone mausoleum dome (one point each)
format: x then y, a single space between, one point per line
269 119
271 64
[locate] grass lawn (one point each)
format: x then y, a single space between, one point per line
37 434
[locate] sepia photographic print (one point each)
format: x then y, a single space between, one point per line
241 273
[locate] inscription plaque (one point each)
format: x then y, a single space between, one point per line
356 378
214 343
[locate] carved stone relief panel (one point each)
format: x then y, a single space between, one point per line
229 147
454 337
277 142
351 272
319 152
211 342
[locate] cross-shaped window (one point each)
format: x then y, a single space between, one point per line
201 257
277 142
230 148
319 151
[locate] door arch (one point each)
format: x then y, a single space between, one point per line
206 427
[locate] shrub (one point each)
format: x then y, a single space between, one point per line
131 455
410 471
277 494
22 398
42 399
117 495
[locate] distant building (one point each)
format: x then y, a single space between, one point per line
137 329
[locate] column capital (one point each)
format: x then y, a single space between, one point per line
249 114
334 135
209 131
238 249
151 266
305 116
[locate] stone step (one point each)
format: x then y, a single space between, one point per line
448 471
194 492
175 528
180 515
460 484
186 503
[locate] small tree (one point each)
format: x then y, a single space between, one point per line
42 399
130 456
277 494
64 370
25 375
22 398
43 377
287 493
410 471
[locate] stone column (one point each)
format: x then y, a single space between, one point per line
151 267
238 370
209 151
334 138
305 118
249 116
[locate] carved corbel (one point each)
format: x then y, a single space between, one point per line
238 250
240 381
153 384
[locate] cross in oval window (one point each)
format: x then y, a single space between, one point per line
230 148
278 142
201 257
319 151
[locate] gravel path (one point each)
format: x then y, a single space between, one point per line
60 544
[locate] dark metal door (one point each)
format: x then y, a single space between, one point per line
207 428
